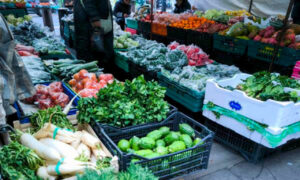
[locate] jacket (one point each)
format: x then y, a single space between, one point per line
121 8
96 9
183 7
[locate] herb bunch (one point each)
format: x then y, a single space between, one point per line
132 103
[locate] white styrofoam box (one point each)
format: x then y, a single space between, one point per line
275 114
241 129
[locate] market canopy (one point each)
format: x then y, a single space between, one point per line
260 7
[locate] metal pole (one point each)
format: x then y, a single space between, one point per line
281 34
250 6
151 19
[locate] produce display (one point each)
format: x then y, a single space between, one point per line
66 68
196 56
243 31
26 50
191 23
49 96
154 56
211 27
11 19
19 162
264 85
133 172
125 104
56 114
87 84
35 68
195 77
124 42
29 33
160 142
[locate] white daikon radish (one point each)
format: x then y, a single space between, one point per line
65 169
50 128
76 162
69 105
70 178
85 150
77 142
93 159
42 150
64 149
89 140
99 153
42 173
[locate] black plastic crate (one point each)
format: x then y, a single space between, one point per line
201 39
167 166
144 27
137 70
111 129
177 33
251 151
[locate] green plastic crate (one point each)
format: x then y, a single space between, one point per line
131 23
18 12
261 51
191 99
201 39
121 61
230 44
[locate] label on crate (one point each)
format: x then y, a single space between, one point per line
235 105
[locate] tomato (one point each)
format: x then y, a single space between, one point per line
83 73
84 81
93 77
76 77
109 77
72 82
102 77
79 86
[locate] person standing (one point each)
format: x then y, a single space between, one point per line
182 6
122 11
93 17
296 12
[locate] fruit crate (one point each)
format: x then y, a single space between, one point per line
137 70
111 129
264 52
132 23
177 33
190 99
230 44
201 39
170 165
66 90
121 61
17 12
159 29
144 27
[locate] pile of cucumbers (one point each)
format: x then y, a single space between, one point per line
161 142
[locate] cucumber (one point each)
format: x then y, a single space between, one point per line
186 129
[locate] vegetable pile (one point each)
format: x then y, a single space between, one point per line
155 56
133 172
191 23
58 118
49 96
87 84
132 103
26 50
264 85
161 142
124 42
11 19
195 77
66 68
19 162
195 55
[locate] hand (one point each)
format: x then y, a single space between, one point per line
125 15
96 24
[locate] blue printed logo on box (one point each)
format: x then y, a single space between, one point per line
235 105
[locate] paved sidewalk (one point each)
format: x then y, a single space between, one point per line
225 164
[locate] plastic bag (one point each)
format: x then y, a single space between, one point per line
45 103
56 87
88 93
